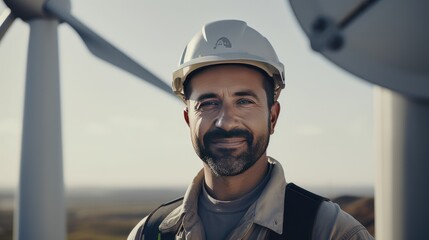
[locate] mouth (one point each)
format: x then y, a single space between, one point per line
231 142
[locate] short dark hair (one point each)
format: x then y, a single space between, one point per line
268 83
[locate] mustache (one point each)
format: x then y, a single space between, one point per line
220 133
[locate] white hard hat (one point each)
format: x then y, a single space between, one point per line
228 41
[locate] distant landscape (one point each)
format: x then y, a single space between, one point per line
110 214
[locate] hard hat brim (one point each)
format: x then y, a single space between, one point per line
274 70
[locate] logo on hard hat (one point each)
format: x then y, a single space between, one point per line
223 41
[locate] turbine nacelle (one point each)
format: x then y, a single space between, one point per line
31 9
60 9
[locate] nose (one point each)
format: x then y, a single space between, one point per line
226 119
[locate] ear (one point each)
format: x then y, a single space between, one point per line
275 112
186 115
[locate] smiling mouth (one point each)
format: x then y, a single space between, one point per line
232 142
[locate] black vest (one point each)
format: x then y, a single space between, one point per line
300 211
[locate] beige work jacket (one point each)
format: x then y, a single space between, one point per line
263 215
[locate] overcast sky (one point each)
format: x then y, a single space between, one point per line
119 131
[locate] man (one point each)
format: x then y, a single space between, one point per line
230 79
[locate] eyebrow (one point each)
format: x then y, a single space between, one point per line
237 94
206 96
246 93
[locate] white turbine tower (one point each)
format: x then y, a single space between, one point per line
386 43
41 210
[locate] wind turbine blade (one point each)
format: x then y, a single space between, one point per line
104 50
6 19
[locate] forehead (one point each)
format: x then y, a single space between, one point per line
226 77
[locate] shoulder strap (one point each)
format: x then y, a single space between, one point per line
300 211
150 229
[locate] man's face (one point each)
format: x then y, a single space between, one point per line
229 118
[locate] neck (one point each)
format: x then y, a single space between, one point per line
228 188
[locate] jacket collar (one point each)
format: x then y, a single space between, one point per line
269 207
190 204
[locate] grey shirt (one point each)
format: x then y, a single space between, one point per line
219 218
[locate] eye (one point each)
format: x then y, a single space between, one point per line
245 101
207 105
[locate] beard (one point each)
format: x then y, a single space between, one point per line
224 161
